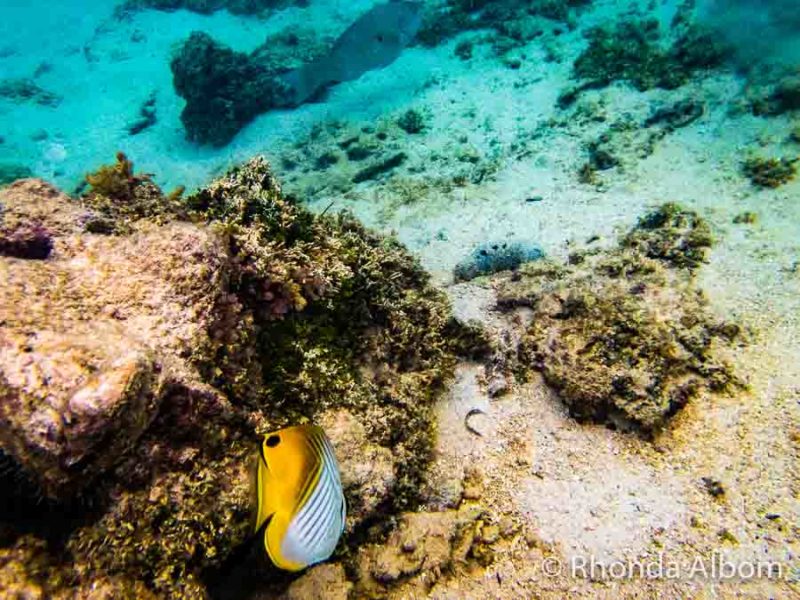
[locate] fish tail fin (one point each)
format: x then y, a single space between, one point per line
309 80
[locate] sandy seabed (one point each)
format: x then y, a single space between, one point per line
588 493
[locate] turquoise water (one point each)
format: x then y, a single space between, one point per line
482 134
486 80
101 65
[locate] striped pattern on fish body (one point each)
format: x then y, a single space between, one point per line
300 497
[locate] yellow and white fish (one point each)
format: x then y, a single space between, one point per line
300 499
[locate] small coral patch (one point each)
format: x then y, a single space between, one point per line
624 335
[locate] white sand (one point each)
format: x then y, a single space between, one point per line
583 488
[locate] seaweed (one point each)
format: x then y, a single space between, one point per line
746 218
633 51
769 172
118 197
673 235
512 21
411 121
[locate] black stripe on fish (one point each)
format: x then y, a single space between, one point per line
263 455
328 449
321 508
322 494
312 474
316 530
315 503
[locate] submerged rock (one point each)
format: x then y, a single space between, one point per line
223 89
26 90
237 7
624 335
770 172
10 172
139 362
634 51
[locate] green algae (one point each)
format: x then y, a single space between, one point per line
119 197
769 172
634 51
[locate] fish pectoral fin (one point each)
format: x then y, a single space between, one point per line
273 537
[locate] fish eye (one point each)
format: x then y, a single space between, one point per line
379 38
273 441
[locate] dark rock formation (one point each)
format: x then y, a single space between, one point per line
223 89
206 7
26 90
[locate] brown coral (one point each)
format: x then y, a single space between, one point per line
624 335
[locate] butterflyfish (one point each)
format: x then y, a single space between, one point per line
301 505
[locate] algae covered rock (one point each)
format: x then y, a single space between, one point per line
769 172
624 335
635 52
223 89
139 363
418 552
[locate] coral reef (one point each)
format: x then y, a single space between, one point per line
494 257
514 23
139 362
769 172
624 335
118 197
237 7
776 100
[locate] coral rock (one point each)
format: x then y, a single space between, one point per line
323 581
623 335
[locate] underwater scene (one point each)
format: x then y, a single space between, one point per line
399 299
